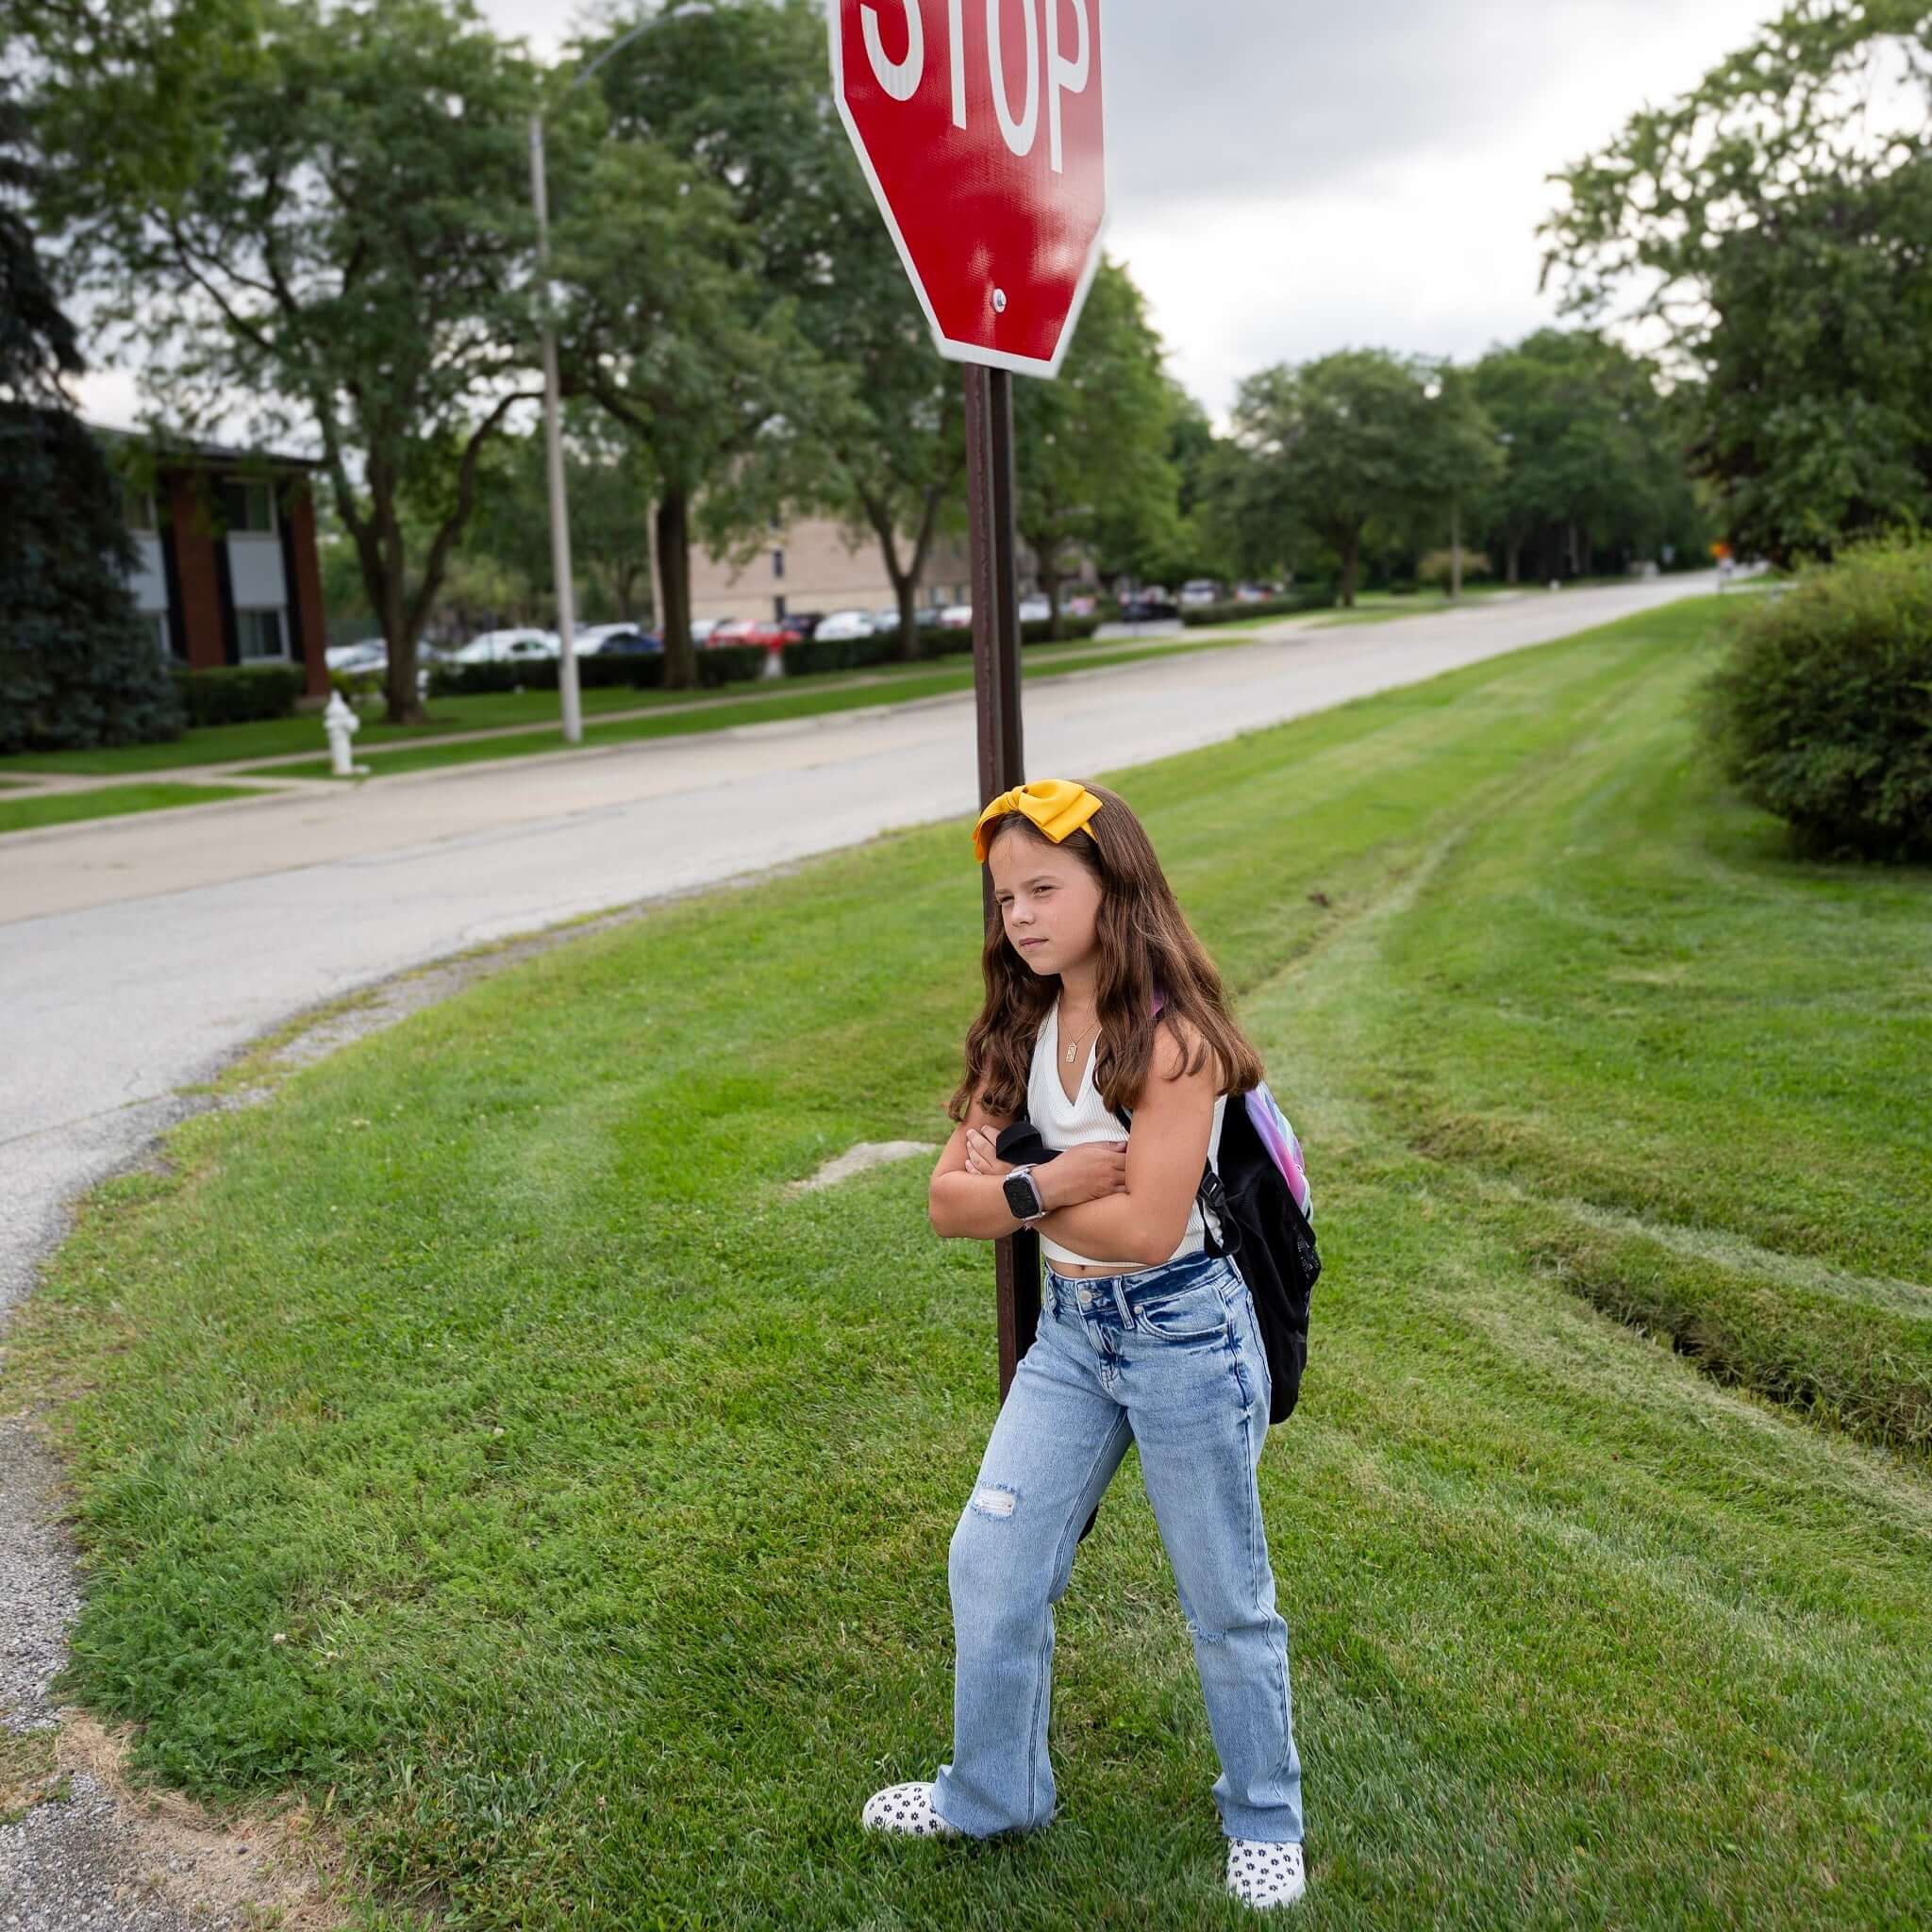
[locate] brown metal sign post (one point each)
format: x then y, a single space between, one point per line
998 223
1002 745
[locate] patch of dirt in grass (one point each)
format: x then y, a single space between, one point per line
87 1847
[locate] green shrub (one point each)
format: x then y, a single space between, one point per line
1821 711
813 657
1311 598
239 694
641 671
949 643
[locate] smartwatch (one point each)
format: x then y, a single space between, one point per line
1023 1195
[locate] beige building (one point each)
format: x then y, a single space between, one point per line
818 565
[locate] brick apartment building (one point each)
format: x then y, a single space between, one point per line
815 564
227 570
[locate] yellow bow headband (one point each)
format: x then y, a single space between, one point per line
1056 806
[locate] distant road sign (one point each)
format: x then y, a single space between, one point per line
979 124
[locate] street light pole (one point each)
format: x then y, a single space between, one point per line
553 430
553 449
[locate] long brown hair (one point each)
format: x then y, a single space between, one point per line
1145 943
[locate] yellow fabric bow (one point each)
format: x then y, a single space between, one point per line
1056 806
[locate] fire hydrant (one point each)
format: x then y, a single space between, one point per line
342 725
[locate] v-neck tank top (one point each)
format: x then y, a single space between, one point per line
1064 1124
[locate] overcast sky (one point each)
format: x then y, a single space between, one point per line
1288 177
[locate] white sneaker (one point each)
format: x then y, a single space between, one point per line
907 1809
1263 1875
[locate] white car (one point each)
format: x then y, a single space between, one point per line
956 617
843 627
508 646
702 627
1035 611
1200 591
371 654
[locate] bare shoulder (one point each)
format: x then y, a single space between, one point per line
1178 1043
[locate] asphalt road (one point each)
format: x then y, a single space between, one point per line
142 952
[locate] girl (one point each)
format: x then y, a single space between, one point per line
1099 996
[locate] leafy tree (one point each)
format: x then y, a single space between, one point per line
1459 459
77 667
873 426
353 259
1338 447
1776 224
1091 448
668 331
1596 452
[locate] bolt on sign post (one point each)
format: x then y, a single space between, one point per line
978 125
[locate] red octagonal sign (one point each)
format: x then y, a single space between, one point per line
978 125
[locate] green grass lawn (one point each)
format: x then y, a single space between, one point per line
785 699
109 801
599 1493
284 737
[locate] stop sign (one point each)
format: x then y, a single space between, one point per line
978 125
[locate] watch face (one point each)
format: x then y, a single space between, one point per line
1021 1197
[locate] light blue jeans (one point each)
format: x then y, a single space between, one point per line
1171 1359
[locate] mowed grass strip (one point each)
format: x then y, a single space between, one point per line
599 1492
282 738
110 801
787 699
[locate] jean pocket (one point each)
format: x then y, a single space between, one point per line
1187 1314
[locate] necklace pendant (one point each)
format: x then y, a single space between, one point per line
1070 1056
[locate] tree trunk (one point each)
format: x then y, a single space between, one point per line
1513 554
1049 575
673 576
905 590
1351 567
1576 566
405 707
1454 549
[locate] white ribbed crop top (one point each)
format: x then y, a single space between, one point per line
1064 1124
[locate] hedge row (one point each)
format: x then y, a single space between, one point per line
238 693
1316 597
725 663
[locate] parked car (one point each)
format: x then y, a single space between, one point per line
592 637
508 646
1081 605
1035 610
727 630
1145 607
371 654
702 627
956 617
806 623
625 641
1199 591
842 626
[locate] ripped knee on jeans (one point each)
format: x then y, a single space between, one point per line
994 1499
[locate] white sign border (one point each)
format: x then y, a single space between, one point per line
970 352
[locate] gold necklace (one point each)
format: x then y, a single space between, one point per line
1076 1047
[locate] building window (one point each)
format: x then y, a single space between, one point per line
247 506
139 509
778 608
778 563
259 634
